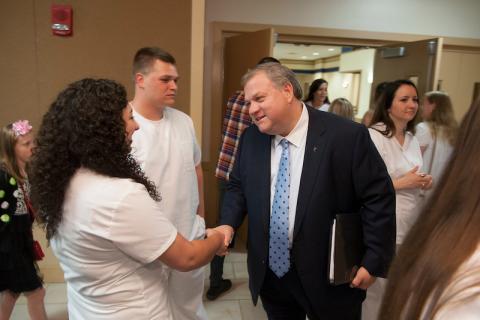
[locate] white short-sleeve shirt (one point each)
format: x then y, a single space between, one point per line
168 153
399 160
108 242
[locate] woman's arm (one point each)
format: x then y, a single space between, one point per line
184 255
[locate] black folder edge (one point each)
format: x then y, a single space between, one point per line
332 252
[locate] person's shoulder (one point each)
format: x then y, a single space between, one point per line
253 130
96 183
377 134
324 107
377 129
421 126
462 296
7 181
3 175
176 115
333 122
423 133
174 112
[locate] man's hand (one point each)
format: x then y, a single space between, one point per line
362 279
223 249
227 232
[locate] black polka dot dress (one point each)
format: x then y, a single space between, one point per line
18 270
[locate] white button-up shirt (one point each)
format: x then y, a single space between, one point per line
297 138
399 159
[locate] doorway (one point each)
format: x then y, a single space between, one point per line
282 34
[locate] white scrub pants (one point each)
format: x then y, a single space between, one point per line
185 289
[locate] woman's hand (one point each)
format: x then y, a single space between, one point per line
413 180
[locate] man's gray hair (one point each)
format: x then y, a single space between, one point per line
278 74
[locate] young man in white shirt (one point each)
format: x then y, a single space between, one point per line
167 150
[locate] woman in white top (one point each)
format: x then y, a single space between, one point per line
392 134
318 95
436 274
436 134
100 211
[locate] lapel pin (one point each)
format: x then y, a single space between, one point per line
314 149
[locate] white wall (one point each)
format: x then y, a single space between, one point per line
360 61
430 17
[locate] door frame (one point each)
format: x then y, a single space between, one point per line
291 34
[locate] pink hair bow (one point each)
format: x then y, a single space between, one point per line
21 127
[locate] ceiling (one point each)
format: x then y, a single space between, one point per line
307 52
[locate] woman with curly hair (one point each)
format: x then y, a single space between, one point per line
101 212
436 134
436 274
18 270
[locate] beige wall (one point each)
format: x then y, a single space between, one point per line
304 78
458 73
340 84
18 63
35 65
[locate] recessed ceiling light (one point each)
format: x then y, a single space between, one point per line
316 54
331 49
304 57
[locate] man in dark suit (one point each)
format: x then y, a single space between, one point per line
296 168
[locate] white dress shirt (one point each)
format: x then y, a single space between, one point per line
297 138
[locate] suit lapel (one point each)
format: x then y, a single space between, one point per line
264 176
314 154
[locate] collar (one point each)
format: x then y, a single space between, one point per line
299 132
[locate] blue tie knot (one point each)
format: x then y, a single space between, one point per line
284 142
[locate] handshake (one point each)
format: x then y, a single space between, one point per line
227 233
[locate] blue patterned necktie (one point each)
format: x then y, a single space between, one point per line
279 256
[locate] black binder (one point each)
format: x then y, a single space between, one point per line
346 248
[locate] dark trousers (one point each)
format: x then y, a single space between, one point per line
216 271
216 265
285 299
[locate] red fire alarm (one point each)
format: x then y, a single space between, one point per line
62 19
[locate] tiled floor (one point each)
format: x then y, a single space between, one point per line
233 305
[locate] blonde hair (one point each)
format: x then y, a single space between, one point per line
8 140
342 107
442 120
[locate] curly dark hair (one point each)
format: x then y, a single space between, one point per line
83 128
